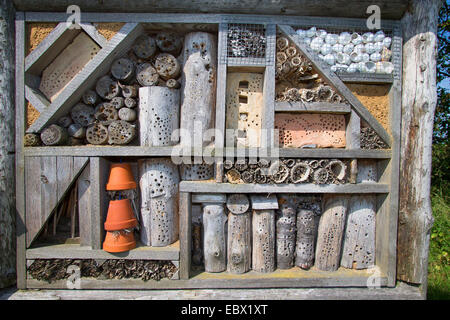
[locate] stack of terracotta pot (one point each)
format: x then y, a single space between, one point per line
120 221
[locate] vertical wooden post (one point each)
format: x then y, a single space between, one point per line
185 227
7 212
419 99
239 242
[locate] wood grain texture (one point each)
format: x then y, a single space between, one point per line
185 214
214 237
239 242
263 250
419 100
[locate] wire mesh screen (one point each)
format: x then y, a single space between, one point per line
351 49
247 42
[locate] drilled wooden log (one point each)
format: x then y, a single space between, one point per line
285 246
167 66
173 84
54 135
130 91
169 42
198 86
83 114
330 232
130 102
306 235
123 70
97 134
65 121
238 203
31 140
144 47
90 97
77 131
214 237
121 132
127 114
158 184
117 102
195 172
159 109
106 113
146 75
358 249
263 251
239 242
107 88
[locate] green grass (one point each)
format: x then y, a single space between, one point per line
439 258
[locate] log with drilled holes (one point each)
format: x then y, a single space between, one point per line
306 235
198 86
158 184
263 250
285 224
214 237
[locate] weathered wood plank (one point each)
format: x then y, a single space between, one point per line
239 242
75 251
268 116
99 173
312 107
185 215
214 237
84 207
263 241
90 29
366 78
324 71
209 198
339 8
211 187
20 162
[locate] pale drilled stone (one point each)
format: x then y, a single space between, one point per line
67 65
159 109
158 184
322 130
244 103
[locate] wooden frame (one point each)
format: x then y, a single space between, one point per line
386 189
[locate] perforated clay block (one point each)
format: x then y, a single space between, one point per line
319 130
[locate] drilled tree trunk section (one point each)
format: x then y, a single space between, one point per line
306 238
7 207
198 87
239 242
214 237
263 255
159 110
158 183
418 106
286 220
330 233
359 242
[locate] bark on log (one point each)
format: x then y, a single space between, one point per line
419 26
198 87
239 242
7 186
286 219
159 109
263 253
159 201
306 238
330 233
214 237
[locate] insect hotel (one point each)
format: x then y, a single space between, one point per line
221 146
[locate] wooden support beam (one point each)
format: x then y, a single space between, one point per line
185 215
419 100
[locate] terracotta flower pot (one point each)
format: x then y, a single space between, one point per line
119 241
121 177
120 215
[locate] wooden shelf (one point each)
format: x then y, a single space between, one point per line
110 151
212 187
312 107
292 278
75 251
367 78
308 153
